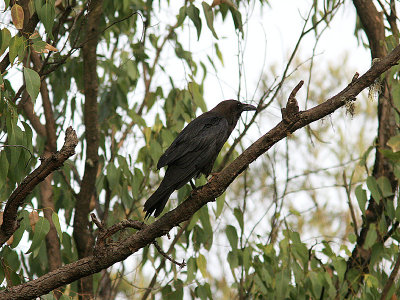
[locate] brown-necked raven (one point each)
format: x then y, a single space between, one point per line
194 151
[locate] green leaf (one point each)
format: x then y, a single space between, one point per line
46 15
2 274
136 182
181 16
20 231
239 217
364 157
191 269
113 176
300 251
12 259
232 236
317 284
371 281
233 260
371 237
237 19
39 46
4 168
397 213
247 258
198 237
194 90
15 138
394 143
385 187
392 156
220 205
7 4
194 14
56 222
361 196
219 54
28 136
42 227
340 267
132 70
32 81
5 37
206 224
16 47
373 188
203 292
202 265
155 150
208 13
390 210
352 238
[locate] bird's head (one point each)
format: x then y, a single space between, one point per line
232 109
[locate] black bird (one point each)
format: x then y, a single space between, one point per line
194 151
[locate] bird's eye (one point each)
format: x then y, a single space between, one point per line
239 105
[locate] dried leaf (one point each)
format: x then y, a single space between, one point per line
33 219
227 2
34 35
17 15
51 48
216 2
10 240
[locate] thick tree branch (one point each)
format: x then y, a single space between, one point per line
374 27
48 165
114 252
83 237
372 21
391 279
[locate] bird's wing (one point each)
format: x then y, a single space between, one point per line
198 140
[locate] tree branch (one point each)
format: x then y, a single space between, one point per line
391 279
48 165
82 235
372 22
118 251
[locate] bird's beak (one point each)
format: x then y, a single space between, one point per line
247 107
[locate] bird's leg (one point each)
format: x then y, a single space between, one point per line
192 184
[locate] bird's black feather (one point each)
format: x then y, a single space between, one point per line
194 151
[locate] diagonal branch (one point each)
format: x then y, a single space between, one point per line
118 251
48 165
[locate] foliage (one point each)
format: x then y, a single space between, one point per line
150 85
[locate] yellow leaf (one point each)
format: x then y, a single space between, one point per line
51 48
17 15
33 219
34 35
219 2
216 2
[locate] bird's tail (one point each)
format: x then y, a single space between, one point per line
157 201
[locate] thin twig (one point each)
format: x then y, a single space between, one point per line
166 256
353 215
391 279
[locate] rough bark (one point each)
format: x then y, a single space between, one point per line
46 189
83 237
108 253
372 22
48 165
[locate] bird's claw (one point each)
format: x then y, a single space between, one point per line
212 176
